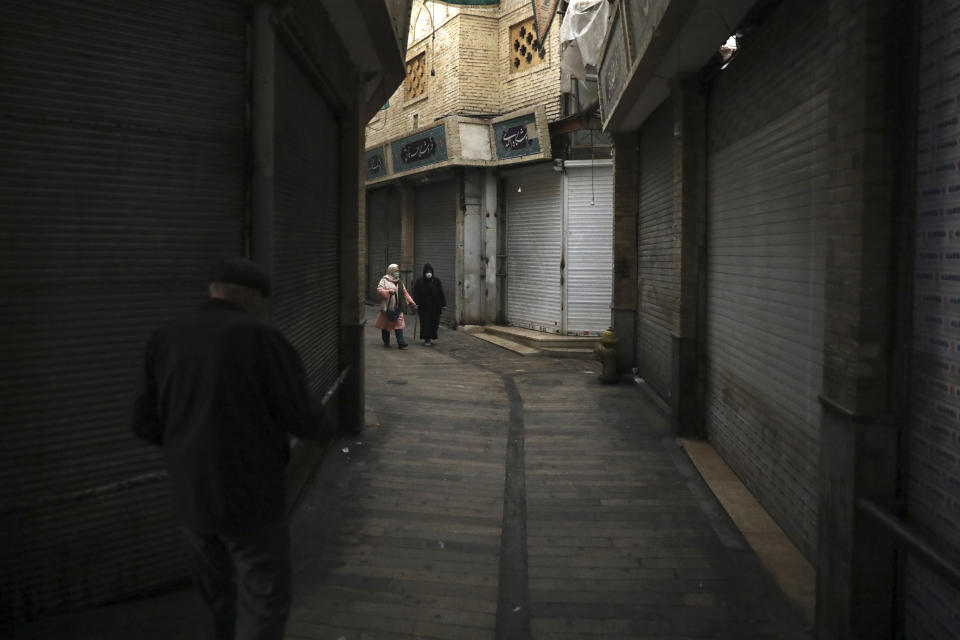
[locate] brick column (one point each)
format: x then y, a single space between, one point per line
626 200
407 268
689 238
855 564
353 259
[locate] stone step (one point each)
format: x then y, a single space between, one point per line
500 341
582 353
540 339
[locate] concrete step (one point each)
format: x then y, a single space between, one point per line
528 342
541 339
516 347
569 352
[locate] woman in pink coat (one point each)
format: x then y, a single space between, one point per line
390 300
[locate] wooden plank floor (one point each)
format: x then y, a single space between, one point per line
608 531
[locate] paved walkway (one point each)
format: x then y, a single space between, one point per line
494 496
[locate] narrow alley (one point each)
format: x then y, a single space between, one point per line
748 208
402 533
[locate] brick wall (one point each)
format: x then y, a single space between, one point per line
479 76
443 88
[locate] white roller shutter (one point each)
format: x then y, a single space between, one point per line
932 606
589 277
435 240
534 211
765 301
657 292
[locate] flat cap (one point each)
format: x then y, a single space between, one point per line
241 271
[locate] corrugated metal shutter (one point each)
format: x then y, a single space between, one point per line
383 235
534 248
589 280
123 163
435 240
657 291
766 195
932 606
306 256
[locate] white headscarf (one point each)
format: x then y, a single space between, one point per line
393 272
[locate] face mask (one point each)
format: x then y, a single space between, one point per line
429 275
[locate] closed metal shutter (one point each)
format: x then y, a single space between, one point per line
657 291
306 255
932 606
435 240
764 334
123 164
383 235
534 208
589 281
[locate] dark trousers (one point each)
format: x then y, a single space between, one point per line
244 580
386 336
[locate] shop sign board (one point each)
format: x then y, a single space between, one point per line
517 137
420 149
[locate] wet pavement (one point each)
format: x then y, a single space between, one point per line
496 496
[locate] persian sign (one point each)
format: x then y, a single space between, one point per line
376 164
517 137
543 12
420 149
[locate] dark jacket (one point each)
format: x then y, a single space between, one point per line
219 392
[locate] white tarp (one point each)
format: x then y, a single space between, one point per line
581 37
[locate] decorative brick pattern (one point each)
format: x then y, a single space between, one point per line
415 84
526 49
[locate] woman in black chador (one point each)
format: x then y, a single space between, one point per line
428 293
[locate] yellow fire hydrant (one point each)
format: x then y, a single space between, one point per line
606 353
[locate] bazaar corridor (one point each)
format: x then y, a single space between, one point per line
495 496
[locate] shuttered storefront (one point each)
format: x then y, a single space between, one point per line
435 240
534 207
123 158
383 235
589 279
306 256
657 291
764 323
932 606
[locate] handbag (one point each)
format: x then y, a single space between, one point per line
394 314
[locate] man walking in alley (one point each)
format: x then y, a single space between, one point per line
219 392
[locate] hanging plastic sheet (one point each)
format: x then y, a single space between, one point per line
581 37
